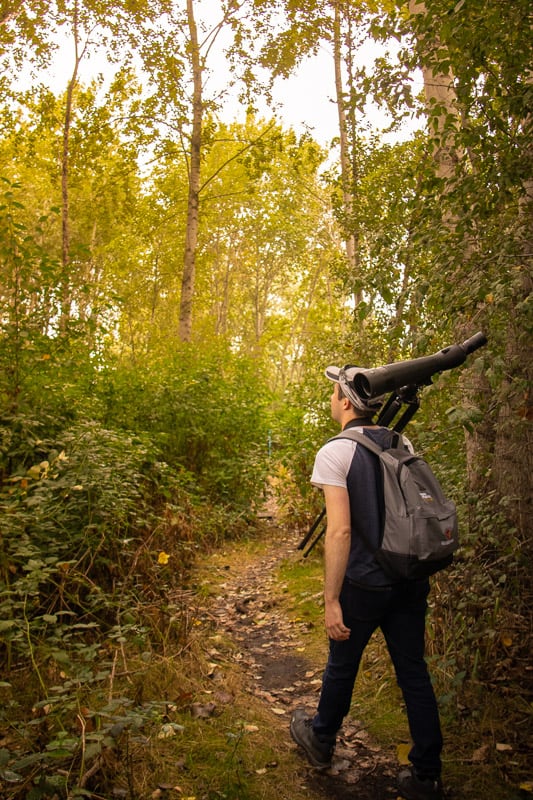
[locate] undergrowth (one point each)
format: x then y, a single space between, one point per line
115 682
147 726
97 541
172 728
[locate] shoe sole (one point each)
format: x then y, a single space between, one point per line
310 757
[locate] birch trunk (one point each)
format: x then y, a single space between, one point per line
499 452
193 200
66 289
348 179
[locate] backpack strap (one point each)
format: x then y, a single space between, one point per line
370 444
360 438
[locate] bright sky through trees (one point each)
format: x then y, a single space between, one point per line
305 101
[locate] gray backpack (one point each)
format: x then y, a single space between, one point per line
419 524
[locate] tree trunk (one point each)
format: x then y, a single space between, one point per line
193 201
499 452
66 289
440 94
348 176
513 451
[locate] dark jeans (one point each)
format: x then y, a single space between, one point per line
400 613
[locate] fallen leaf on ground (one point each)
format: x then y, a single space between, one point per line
480 755
402 751
203 710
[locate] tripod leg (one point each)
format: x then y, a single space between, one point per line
312 529
315 541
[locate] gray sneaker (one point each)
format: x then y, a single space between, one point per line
319 753
412 787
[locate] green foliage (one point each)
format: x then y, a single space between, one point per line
207 409
68 505
98 536
27 300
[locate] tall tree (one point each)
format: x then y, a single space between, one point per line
177 56
266 241
191 230
291 33
79 49
348 165
476 69
103 194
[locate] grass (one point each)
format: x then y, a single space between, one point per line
175 728
227 752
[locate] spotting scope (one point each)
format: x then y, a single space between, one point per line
416 372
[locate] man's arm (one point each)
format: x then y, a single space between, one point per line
337 550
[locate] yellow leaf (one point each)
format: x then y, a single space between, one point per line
527 786
402 753
163 558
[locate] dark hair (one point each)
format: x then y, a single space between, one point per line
340 393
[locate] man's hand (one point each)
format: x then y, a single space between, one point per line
335 627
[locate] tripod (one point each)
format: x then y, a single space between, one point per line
405 396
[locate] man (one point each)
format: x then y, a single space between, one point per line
359 598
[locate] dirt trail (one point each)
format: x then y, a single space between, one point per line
270 647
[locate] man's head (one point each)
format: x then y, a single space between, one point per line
345 398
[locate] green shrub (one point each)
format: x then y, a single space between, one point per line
207 408
88 528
